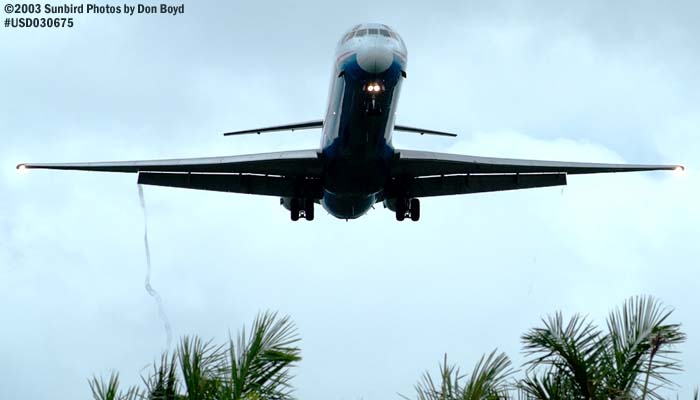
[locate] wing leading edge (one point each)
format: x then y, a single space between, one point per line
283 174
423 174
285 163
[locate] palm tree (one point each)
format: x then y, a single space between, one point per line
631 360
575 360
488 381
252 367
258 368
566 360
109 390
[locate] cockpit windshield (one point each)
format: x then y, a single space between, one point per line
359 32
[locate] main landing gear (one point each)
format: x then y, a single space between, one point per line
407 208
299 207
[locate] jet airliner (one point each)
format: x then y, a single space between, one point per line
356 165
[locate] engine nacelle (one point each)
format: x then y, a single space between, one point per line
390 204
286 202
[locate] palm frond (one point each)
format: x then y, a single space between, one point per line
488 380
109 390
572 349
200 365
448 388
259 364
642 346
162 384
551 385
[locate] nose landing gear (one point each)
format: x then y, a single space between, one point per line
299 207
407 208
373 108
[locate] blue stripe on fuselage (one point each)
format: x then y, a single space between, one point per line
353 133
357 138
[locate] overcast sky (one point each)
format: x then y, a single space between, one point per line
376 302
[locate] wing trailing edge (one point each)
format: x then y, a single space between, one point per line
467 184
279 186
426 174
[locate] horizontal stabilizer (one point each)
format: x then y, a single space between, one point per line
287 127
319 124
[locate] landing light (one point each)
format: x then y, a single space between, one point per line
679 170
22 168
374 87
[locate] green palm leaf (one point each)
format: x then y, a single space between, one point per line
109 390
200 365
448 388
258 365
551 385
573 350
642 347
488 381
162 384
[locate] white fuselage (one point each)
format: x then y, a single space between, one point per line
370 64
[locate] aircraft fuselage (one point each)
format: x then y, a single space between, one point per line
356 144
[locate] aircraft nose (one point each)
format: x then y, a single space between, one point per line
375 59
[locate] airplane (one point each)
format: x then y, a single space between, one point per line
356 165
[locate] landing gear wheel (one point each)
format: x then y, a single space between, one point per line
294 209
401 209
415 209
309 209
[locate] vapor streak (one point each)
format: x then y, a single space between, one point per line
151 291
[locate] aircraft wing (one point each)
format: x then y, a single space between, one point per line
283 174
423 174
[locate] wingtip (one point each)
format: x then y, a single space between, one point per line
21 167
